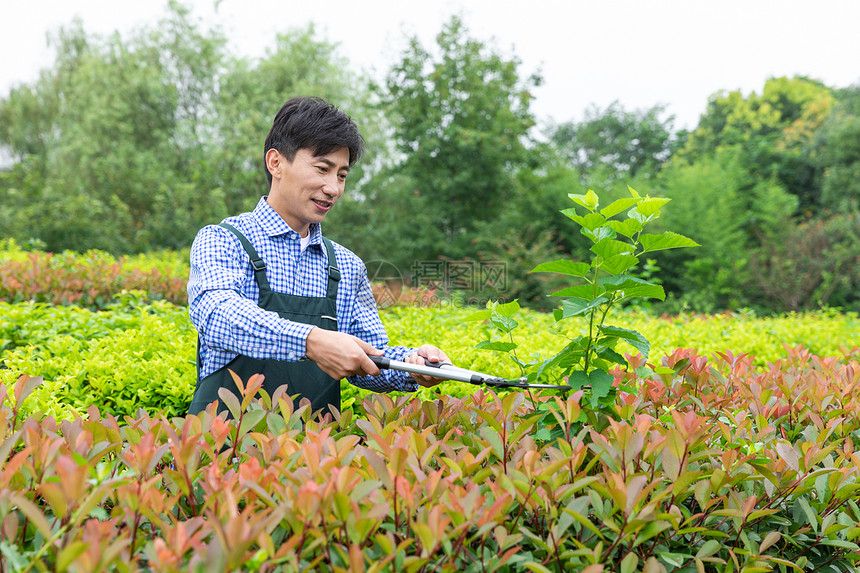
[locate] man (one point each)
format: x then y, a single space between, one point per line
269 294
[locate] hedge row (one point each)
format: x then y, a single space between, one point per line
136 354
718 466
91 279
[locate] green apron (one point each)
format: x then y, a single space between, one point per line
303 377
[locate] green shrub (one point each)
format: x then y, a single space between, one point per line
131 356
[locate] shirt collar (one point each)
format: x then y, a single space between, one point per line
274 225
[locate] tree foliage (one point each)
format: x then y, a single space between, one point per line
130 144
461 119
617 143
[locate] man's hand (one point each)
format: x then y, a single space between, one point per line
432 354
340 355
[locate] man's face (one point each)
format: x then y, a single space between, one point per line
305 190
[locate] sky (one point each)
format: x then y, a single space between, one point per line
640 53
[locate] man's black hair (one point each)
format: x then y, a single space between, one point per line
314 124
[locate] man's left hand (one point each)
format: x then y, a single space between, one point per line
431 353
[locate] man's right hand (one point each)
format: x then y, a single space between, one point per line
340 355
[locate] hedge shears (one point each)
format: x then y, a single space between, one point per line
448 371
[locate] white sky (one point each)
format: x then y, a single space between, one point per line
640 52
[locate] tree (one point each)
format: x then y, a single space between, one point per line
774 129
110 163
129 144
461 120
615 144
720 205
837 151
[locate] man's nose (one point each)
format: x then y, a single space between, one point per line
332 184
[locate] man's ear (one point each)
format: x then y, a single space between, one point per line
274 162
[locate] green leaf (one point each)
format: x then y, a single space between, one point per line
589 200
565 267
665 240
627 227
611 355
645 291
536 567
69 553
811 515
600 382
621 282
495 345
632 287
599 234
508 308
618 264
590 221
250 420
650 206
638 341
610 247
710 547
586 291
480 315
575 306
618 206
503 323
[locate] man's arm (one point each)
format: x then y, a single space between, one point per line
367 326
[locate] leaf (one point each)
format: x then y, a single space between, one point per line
599 234
589 200
503 323
69 553
250 420
575 306
24 386
480 315
498 346
811 516
645 291
584 291
629 563
665 240
638 341
788 454
600 382
536 567
507 309
564 267
769 540
632 287
618 264
33 513
610 247
618 206
627 227
649 206
710 547
231 401
590 221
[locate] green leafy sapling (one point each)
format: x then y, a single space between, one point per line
607 282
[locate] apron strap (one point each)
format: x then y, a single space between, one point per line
333 272
256 262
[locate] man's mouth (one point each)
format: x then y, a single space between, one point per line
325 205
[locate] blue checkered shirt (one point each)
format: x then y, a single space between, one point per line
223 296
